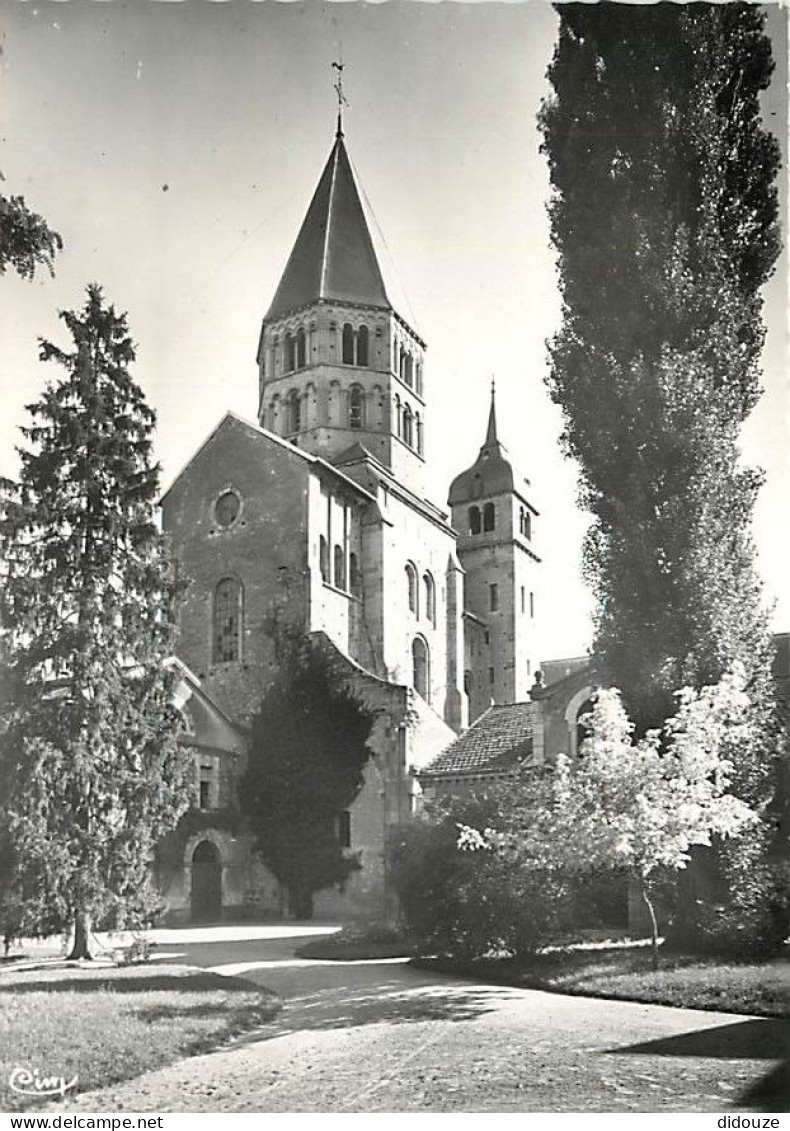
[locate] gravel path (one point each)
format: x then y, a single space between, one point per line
381 1037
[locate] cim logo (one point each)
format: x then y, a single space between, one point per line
31 1082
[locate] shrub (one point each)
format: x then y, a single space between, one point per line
468 904
139 952
359 941
745 916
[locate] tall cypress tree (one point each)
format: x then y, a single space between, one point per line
91 774
664 217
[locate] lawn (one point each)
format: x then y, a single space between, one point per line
623 972
108 1024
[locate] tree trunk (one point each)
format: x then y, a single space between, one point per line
654 925
82 926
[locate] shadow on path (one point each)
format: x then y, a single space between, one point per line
772 1093
376 1003
756 1039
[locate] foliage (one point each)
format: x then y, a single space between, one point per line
664 217
26 240
632 806
464 905
141 950
746 915
91 774
308 748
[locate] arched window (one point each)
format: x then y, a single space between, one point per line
418 425
489 516
430 598
340 568
474 520
398 417
410 372
527 524
227 622
408 437
421 666
418 378
354 575
290 353
301 349
294 421
323 558
411 582
362 345
356 407
348 344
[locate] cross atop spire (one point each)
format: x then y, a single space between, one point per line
341 98
491 434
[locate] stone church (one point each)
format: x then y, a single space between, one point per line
316 514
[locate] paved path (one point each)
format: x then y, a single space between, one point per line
379 1036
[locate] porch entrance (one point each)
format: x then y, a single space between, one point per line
206 895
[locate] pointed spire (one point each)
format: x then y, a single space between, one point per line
491 434
334 256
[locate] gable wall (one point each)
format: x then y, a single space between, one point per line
265 548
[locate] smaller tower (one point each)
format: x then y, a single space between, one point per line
495 521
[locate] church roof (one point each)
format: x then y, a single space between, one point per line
492 472
320 465
494 743
335 256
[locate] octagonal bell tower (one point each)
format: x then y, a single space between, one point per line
339 360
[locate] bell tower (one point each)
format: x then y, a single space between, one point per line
495 520
340 363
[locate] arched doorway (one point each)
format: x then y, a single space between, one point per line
206 883
580 705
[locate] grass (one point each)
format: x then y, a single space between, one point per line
623 972
108 1024
353 943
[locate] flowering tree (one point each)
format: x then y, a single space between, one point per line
637 807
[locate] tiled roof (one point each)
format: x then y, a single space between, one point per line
497 740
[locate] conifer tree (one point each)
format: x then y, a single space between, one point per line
664 218
91 774
308 748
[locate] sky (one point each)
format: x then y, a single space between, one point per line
176 146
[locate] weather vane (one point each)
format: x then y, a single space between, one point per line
341 98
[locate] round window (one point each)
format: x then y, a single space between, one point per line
226 508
